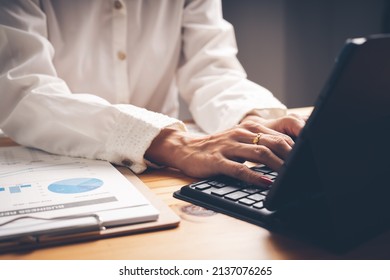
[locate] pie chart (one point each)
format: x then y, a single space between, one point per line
75 185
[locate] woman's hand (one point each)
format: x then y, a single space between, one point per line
291 124
225 152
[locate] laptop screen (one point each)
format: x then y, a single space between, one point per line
345 146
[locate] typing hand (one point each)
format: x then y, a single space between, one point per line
254 139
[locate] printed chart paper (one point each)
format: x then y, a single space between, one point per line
41 185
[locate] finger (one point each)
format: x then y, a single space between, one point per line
262 154
278 145
295 126
275 140
281 136
271 144
291 125
251 132
242 135
298 116
258 154
244 173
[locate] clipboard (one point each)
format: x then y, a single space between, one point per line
91 227
167 219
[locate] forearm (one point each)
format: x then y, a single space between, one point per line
85 126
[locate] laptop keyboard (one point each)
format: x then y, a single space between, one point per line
231 196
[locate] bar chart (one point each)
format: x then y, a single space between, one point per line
15 188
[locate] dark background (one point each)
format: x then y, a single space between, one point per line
289 46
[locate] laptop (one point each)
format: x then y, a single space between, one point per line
334 187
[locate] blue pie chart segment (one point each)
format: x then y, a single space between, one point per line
75 185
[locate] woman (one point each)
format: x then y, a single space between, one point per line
100 79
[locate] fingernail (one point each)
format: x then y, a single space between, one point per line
266 180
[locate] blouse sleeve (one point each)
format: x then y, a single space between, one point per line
211 79
37 109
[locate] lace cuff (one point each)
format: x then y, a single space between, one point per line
134 132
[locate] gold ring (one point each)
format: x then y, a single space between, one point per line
256 140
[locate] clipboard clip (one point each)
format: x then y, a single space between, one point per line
83 227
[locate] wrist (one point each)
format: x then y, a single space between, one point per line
164 148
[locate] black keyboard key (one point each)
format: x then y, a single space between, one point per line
201 186
257 197
242 184
251 190
246 201
217 184
236 195
209 190
264 192
262 168
259 205
225 190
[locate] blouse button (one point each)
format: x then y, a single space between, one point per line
121 55
127 162
118 5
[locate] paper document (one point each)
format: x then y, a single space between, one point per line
41 192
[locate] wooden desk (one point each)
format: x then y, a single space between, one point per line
200 235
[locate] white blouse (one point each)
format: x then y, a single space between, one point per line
101 78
